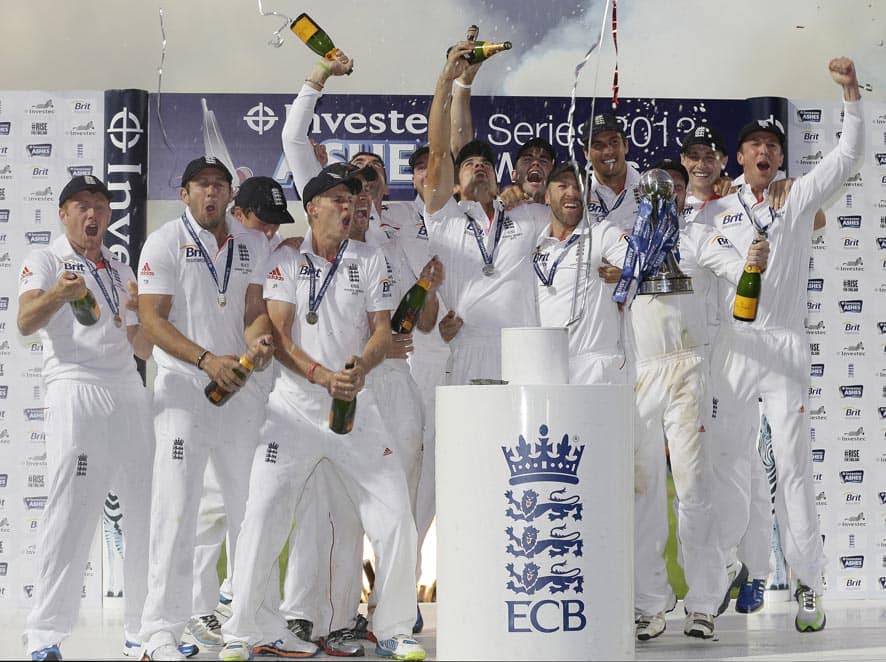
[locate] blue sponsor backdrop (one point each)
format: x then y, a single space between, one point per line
394 125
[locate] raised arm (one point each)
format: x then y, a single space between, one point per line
440 175
298 149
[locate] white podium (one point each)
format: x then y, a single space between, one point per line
534 521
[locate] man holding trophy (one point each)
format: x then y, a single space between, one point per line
667 329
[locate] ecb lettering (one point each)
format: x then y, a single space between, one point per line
546 616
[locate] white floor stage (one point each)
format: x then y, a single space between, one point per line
855 631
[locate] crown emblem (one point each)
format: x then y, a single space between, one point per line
543 460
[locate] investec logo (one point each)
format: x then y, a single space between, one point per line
531 539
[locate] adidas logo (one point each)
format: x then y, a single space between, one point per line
276 274
146 270
387 452
26 272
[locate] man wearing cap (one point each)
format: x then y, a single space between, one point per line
667 335
703 154
193 278
767 359
260 205
595 353
97 411
612 194
329 307
485 249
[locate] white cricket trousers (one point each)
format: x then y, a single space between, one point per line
768 371
189 430
325 514
672 396
295 438
96 437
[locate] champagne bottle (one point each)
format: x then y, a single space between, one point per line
410 306
342 412
484 50
86 310
219 396
314 36
747 293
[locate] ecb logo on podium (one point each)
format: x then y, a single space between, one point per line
543 551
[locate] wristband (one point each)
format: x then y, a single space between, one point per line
325 67
311 80
199 361
462 85
310 373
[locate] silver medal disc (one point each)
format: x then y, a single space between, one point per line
117 321
312 317
488 270
222 300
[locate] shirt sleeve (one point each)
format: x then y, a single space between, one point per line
379 291
811 190
296 146
717 253
158 268
281 272
40 271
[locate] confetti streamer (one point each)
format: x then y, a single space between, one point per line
160 80
276 39
615 42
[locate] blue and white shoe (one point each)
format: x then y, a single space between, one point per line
400 647
235 651
134 649
47 653
750 596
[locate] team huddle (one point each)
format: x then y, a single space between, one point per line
282 328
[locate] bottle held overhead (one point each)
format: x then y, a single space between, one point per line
314 37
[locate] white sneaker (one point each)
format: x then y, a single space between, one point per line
699 625
235 651
649 626
400 647
223 611
164 652
286 646
205 630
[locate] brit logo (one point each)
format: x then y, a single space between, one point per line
536 541
271 452
851 306
178 449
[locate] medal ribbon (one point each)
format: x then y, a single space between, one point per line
761 229
478 235
208 261
616 205
113 298
314 297
548 280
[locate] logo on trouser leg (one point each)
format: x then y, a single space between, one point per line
271 453
81 464
178 449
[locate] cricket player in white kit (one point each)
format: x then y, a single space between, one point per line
98 431
565 245
668 334
485 249
329 306
193 278
768 358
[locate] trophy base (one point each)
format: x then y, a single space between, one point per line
666 285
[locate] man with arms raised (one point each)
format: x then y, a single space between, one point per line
767 359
